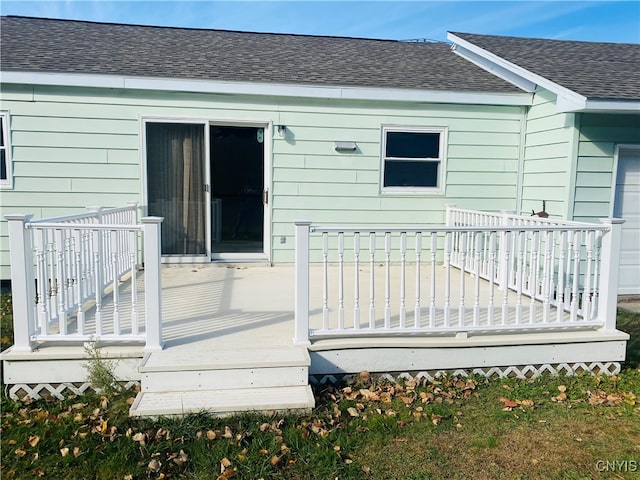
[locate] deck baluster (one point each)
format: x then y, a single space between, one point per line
562 277
372 283
340 280
520 274
387 280
576 276
533 289
447 280
416 318
403 262
133 265
61 281
356 271
116 289
547 274
506 254
478 238
432 277
492 276
586 295
325 281
463 269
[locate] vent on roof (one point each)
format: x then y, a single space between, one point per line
422 40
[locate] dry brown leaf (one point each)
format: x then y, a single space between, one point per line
211 435
140 438
508 403
436 419
276 461
154 465
77 452
64 451
224 464
33 440
20 452
227 432
353 412
284 449
562 388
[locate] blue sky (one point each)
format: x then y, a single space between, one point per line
614 21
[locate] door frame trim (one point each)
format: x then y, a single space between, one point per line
206 122
614 176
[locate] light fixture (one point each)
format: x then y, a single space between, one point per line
346 146
282 130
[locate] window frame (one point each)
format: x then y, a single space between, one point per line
8 182
441 160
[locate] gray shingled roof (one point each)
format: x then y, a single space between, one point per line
593 69
46 45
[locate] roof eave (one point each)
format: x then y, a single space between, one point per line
265 89
568 100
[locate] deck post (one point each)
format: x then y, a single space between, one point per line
22 282
448 216
301 325
153 289
610 263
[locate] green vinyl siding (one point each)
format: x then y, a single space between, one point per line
599 136
74 147
548 148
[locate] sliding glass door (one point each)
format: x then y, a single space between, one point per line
176 185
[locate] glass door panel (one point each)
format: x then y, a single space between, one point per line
175 185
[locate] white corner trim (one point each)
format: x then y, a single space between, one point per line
272 89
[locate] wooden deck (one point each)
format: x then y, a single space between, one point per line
212 313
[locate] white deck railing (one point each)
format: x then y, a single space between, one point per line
75 278
480 274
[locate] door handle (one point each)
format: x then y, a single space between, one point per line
265 197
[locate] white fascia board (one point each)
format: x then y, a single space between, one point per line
613 106
270 89
497 65
497 70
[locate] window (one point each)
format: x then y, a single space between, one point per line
5 152
412 159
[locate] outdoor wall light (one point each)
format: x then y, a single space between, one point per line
346 146
282 130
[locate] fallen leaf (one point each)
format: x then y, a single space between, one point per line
154 465
19 452
33 441
353 412
508 403
276 461
64 451
77 452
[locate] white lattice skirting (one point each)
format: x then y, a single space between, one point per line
522 372
20 391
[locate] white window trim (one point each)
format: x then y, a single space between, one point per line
439 190
8 182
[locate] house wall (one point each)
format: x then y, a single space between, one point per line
548 152
74 147
599 135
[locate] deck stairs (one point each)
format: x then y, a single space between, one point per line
224 382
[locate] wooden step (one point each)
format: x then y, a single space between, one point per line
197 360
297 399
210 379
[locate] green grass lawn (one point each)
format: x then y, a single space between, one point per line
467 428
